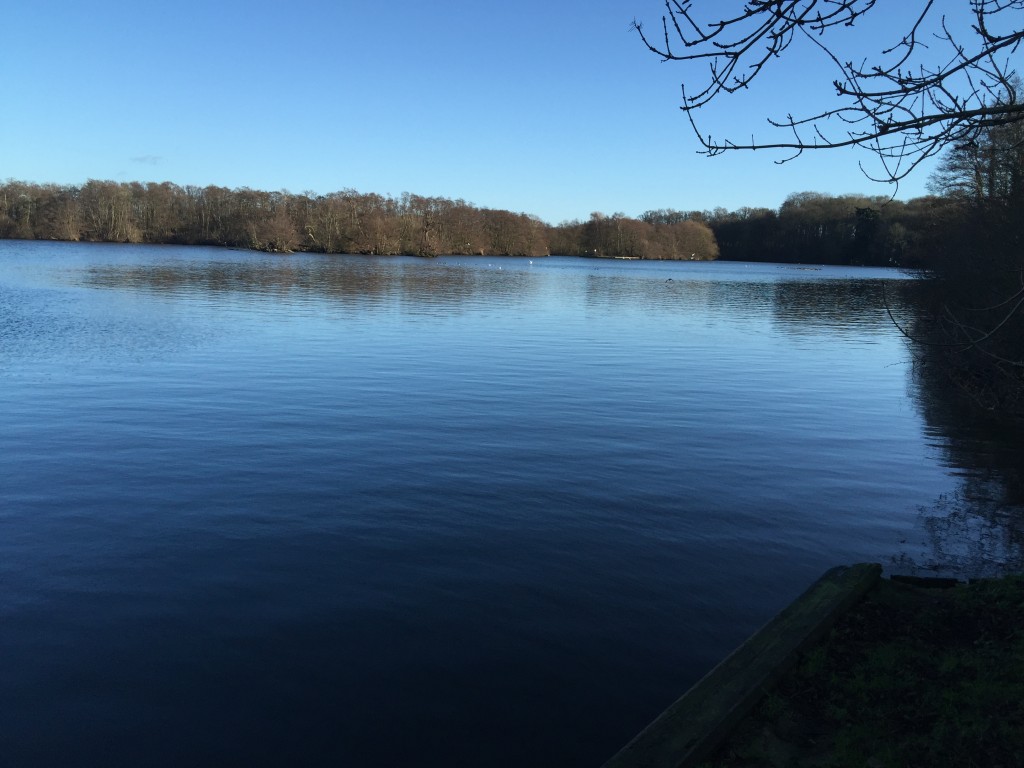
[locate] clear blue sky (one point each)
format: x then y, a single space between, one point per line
550 108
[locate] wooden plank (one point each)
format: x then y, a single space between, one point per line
697 723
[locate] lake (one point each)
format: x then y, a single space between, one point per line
363 511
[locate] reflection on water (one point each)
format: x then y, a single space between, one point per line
968 535
345 280
846 307
985 446
798 301
972 531
978 529
259 509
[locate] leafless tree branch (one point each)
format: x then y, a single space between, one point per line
937 86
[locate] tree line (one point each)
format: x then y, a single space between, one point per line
340 222
985 174
809 227
818 228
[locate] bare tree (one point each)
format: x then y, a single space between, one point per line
937 84
989 168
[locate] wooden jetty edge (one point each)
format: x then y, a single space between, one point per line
691 728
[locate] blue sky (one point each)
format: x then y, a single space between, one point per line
550 108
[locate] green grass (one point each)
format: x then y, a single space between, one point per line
909 677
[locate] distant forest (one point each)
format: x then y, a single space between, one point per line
341 222
809 227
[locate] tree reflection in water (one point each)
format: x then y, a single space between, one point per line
977 531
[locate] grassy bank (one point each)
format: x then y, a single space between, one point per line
911 676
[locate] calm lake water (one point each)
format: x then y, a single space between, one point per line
320 510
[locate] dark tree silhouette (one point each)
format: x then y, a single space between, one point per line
936 84
988 169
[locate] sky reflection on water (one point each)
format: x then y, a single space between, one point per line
266 509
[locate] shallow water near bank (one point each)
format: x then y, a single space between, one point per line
362 511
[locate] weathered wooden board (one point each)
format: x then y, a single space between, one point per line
689 730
